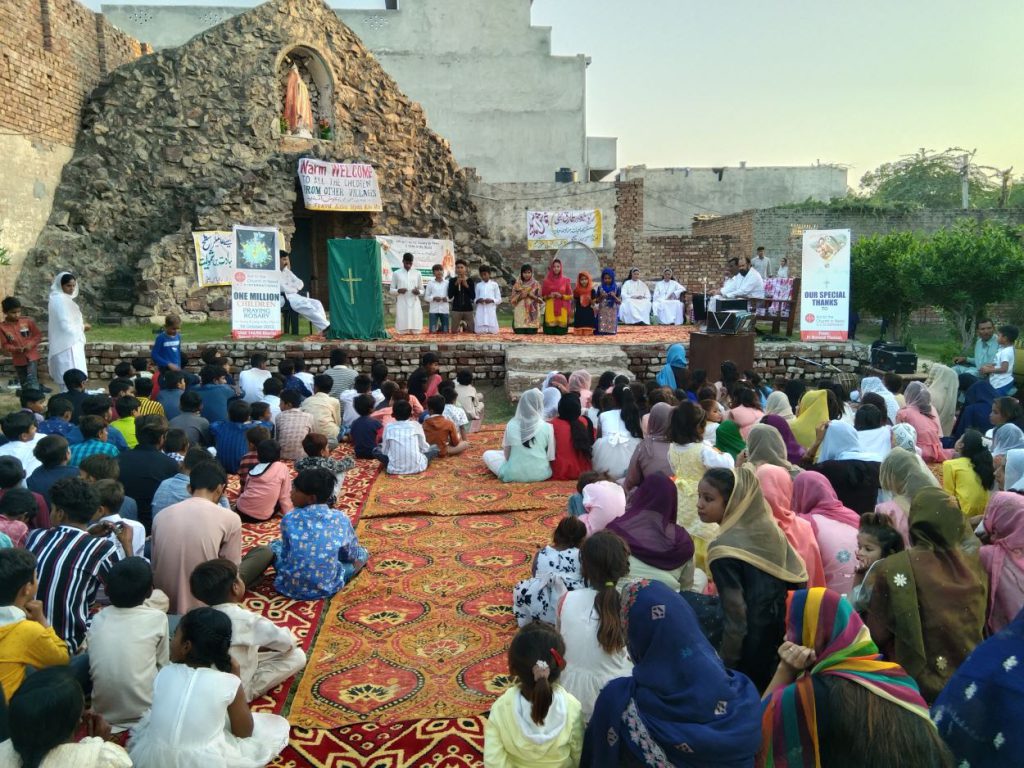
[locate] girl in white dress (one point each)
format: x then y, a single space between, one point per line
620 433
66 329
591 624
200 716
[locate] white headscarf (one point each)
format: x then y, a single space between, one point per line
1014 470
530 414
57 288
552 396
547 380
841 443
905 437
874 384
943 384
66 328
1007 437
778 404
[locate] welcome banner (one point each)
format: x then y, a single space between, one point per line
825 285
550 230
339 186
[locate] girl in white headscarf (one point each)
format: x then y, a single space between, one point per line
529 444
874 384
66 331
1012 471
944 385
778 404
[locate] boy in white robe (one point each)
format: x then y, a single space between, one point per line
488 297
407 286
668 300
311 309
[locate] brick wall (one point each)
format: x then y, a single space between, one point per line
52 54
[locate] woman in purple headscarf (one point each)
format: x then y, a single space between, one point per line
659 548
794 451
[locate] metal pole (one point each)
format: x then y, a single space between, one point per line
965 187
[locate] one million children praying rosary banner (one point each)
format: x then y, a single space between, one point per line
255 284
825 287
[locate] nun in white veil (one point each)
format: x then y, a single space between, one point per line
66 331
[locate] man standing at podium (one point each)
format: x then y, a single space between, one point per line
747 284
407 285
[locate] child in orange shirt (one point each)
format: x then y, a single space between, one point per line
440 431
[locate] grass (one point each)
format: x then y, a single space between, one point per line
931 341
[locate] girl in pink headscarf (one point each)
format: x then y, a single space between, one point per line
579 381
919 413
835 528
603 501
1003 558
777 487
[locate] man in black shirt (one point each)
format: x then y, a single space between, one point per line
462 292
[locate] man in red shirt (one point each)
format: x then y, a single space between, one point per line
19 338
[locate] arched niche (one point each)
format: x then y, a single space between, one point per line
319 82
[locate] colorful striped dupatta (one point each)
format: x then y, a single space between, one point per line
825 621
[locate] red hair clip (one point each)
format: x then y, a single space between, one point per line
559 661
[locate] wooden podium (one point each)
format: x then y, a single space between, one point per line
709 350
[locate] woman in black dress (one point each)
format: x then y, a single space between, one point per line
582 302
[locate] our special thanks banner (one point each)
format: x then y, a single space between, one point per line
550 230
255 284
339 186
825 285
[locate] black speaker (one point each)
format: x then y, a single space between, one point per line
730 323
894 361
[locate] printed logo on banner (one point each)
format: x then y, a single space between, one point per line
255 284
825 285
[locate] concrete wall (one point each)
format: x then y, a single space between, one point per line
485 77
673 196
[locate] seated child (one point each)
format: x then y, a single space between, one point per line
877 538
287 369
517 733
365 430
260 415
452 411
19 427
111 498
200 714
18 508
141 366
318 454
175 489
403 447
230 435
176 444
144 394
19 338
74 558
33 401
75 381
196 427
586 478
128 644
272 388
266 654
121 386
172 387
441 432
269 486
253 437
53 454
468 399
58 417
13 476
103 467
292 425
361 386
556 570
94 440
26 637
318 552
382 412
127 408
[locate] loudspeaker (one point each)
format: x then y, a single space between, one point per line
894 361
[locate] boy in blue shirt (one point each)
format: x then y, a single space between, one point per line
167 347
364 431
230 436
214 392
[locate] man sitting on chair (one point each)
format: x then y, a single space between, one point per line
311 309
668 300
747 284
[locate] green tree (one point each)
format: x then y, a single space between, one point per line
930 180
969 266
885 278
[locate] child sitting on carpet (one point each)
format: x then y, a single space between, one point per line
319 455
403 446
551 731
471 401
111 496
253 436
269 487
176 444
556 570
260 415
127 408
266 654
365 430
586 478
441 431
452 411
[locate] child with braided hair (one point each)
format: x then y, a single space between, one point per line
187 724
537 722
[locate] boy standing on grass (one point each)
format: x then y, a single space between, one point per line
19 338
167 347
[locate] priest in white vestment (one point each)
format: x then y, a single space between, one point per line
65 330
668 300
407 285
636 300
747 284
291 285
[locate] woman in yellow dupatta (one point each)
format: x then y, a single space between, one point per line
813 410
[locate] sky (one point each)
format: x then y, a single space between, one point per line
790 82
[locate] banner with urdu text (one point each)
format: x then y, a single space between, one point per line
425 254
825 285
215 252
550 230
255 284
339 186
357 295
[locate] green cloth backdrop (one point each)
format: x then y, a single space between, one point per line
357 295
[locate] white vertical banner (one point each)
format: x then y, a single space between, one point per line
825 285
255 284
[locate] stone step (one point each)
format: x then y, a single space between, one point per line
526 365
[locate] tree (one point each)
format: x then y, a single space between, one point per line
885 277
931 180
969 266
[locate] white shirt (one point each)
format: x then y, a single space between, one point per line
290 283
251 382
404 443
1000 380
249 633
783 272
763 265
274 402
437 289
348 399
23 452
748 286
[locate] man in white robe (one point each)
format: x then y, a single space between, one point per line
636 300
311 309
668 300
746 284
488 297
407 285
